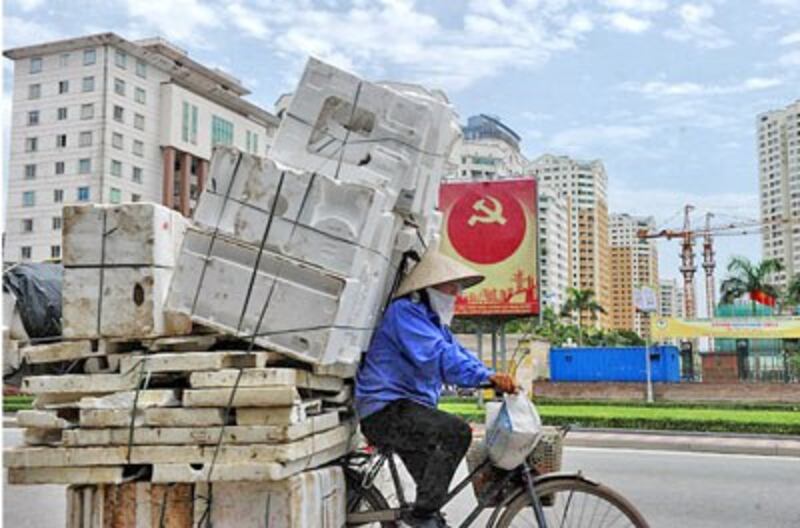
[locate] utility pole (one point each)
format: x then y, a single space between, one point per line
687 263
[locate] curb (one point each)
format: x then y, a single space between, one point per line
699 443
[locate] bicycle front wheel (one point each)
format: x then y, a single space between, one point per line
573 502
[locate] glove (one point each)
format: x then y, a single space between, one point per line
504 383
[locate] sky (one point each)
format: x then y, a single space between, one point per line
665 93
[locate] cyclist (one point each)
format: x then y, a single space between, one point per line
399 382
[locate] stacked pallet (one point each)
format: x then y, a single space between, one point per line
160 415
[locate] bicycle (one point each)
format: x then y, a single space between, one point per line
519 497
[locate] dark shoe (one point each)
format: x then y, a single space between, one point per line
431 521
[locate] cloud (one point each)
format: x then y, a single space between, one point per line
790 59
588 139
28 5
627 23
696 27
656 89
183 21
642 6
791 38
247 20
22 32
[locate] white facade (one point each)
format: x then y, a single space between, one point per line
584 182
779 187
91 119
486 159
670 298
554 247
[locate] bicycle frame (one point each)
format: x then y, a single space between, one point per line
394 514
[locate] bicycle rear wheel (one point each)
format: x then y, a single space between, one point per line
573 502
360 499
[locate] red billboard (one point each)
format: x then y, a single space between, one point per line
491 227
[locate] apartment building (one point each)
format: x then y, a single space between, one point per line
489 150
634 264
779 187
671 299
586 185
103 119
554 246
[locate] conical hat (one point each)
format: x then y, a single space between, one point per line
435 268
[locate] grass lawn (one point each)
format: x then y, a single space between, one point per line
663 418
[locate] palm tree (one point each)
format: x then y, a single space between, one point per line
579 302
792 294
746 278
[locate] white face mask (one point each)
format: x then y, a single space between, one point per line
443 304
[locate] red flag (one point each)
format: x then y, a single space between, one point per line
762 297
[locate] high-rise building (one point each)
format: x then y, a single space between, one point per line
104 119
670 295
634 264
779 187
489 150
554 246
586 184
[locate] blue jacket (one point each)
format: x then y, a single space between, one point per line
411 355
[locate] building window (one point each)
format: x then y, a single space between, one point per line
252 142
87 85
87 111
136 197
59 168
63 87
29 198
55 252
25 252
36 64
85 139
138 121
33 117
116 168
189 129
116 140
63 60
221 131
56 223
27 225
34 91
83 194
136 176
138 148
30 171
120 58
31 144
61 140
61 113
119 87
84 166
115 196
58 195
139 95
119 114
141 68
89 56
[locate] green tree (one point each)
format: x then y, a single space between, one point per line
746 278
791 296
580 302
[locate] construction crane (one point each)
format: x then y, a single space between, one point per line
708 266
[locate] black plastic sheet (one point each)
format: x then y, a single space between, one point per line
37 288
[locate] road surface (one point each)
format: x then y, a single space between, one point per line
671 488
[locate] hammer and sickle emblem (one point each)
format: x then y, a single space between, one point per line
491 215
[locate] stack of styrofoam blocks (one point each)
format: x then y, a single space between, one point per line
118 263
298 251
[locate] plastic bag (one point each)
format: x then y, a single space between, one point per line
37 288
513 434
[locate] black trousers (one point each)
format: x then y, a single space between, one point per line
431 444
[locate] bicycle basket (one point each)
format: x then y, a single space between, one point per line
487 476
546 456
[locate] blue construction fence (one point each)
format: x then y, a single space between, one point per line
615 364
